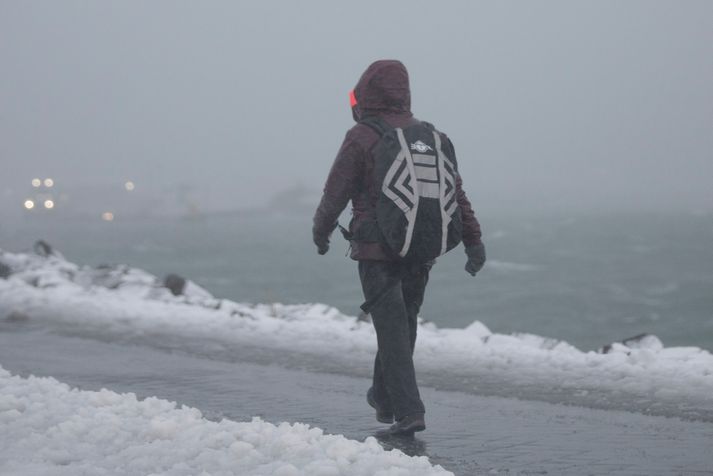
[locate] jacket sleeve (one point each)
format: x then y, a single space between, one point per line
340 187
471 226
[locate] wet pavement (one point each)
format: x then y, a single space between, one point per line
467 434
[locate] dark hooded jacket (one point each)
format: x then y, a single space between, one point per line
383 91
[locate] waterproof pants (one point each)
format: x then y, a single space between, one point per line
394 294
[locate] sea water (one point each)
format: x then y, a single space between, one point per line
588 279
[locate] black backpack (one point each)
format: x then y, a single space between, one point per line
417 212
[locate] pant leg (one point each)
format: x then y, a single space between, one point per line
381 395
390 317
372 285
414 288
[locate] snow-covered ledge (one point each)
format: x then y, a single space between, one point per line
120 301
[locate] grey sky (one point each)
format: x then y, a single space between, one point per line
601 104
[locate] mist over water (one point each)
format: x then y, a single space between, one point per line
556 105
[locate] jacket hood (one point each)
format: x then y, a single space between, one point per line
382 89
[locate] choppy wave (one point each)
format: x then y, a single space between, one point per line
507 266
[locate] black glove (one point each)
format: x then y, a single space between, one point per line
322 244
322 240
476 258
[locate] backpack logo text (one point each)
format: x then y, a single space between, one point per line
419 146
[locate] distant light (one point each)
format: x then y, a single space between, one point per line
49 204
49 182
29 204
108 216
36 182
129 186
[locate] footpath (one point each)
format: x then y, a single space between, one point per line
467 434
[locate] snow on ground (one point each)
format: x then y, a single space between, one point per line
46 427
123 301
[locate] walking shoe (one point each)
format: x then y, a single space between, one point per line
406 426
382 416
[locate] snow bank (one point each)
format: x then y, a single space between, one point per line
124 302
48 428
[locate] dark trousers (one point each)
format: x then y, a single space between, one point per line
394 294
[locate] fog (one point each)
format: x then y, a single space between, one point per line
550 105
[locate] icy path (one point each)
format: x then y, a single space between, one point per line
466 434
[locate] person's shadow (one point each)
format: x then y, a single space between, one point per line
409 444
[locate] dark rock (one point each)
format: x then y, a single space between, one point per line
5 271
42 248
606 349
629 342
634 340
17 316
175 283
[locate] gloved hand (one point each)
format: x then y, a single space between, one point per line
321 239
322 244
476 258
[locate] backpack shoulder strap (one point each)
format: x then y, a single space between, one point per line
428 125
377 124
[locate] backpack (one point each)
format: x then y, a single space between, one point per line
417 213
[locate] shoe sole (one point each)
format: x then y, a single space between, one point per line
410 430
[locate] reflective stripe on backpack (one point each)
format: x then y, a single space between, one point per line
416 212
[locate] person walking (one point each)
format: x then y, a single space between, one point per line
408 207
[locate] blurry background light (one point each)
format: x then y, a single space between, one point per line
49 204
29 204
49 182
108 216
36 182
129 186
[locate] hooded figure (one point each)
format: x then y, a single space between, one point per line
393 290
382 89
